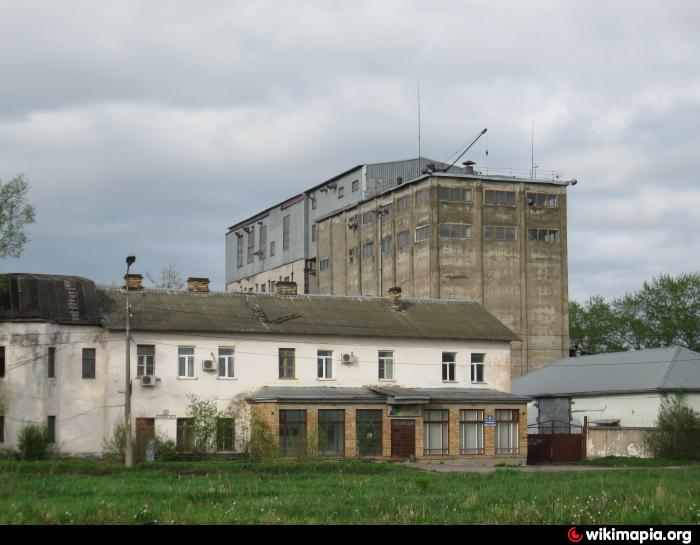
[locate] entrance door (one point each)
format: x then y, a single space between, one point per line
145 431
403 438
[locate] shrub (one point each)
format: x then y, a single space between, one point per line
35 443
263 443
677 436
115 447
204 415
165 449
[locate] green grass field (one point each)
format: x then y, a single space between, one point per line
91 492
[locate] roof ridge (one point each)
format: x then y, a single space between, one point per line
672 364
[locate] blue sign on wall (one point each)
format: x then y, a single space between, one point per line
490 421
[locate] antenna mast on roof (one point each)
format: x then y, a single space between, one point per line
420 166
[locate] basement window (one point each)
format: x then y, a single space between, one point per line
51 429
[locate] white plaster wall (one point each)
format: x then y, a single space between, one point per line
29 396
87 410
633 410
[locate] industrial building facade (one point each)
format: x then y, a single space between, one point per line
500 241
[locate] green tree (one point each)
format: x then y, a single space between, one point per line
15 214
204 415
677 433
666 311
595 326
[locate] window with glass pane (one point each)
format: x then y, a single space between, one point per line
292 432
368 249
88 363
478 367
145 360
404 203
251 245
448 366
331 432
422 233
506 431
52 362
185 361
286 361
239 251
471 432
325 364
386 245
404 239
184 438
51 429
369 432
422 197
286 230
436 432
386 365
225 434
226 361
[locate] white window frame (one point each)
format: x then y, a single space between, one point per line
324 365
142 361
185 361
228 361
385 369
428 228
447 365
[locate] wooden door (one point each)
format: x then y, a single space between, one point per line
403 438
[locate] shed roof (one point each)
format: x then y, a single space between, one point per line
659 369
231 312
44 297
375 394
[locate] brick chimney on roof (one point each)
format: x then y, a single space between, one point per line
395 298
284 287
197 285
133 281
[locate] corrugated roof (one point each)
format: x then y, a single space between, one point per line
215 312
53 298
658 369
375 394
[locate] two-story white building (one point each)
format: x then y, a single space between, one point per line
369 376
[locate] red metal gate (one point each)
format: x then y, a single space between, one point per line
555 442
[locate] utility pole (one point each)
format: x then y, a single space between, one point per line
128 447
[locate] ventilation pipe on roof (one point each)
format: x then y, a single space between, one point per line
395 298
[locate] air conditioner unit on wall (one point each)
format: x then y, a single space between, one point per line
347 357
209 365
148 380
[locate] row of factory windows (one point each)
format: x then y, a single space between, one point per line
224 366
421 198
447 230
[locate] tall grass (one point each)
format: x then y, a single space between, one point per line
338 492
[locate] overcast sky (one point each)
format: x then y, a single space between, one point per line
153 126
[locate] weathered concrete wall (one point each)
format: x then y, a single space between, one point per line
524 283
602 442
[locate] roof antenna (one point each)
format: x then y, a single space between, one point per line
420 166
